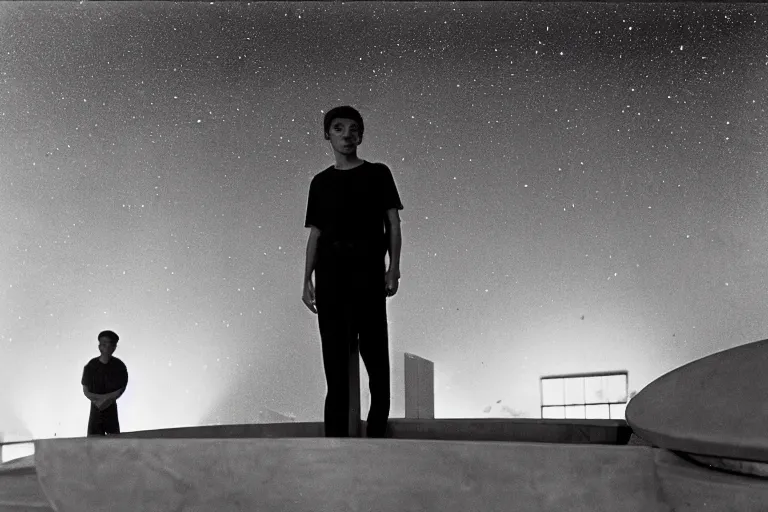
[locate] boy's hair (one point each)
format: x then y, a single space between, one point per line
345 112
109 334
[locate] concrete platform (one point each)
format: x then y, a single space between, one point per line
302 474
22 489
334 475
337 475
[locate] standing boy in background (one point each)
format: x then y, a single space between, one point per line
352 212
104 380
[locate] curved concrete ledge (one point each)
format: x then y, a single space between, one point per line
337 475
706 407
743 467
688 487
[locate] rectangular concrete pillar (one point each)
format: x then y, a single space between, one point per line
419 387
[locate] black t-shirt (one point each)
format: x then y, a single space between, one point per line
105 378
350 205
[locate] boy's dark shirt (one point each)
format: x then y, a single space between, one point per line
103 378
349 208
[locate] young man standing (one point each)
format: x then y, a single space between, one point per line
104 380
352 212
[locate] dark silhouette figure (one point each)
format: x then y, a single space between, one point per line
352 212
104 381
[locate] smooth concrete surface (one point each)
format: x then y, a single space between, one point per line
336 475
20 489
25 489
712 406
513 430
678 484
419 387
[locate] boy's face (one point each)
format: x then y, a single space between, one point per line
344 135
106 346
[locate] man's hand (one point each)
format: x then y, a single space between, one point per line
391 282
308 297
104 403
105 400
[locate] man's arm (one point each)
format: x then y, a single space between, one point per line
111 398
95 397
90 396
392 223
314 235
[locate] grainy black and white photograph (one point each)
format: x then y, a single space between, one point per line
526 210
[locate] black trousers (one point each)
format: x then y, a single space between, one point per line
101 423
352 311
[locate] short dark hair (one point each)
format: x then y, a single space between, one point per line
345 112
109 334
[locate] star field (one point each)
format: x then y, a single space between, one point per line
584 190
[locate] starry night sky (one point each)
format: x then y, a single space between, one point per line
584 189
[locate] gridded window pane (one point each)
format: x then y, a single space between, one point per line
598 412
618 411
615 388
552 392
574 390
553 412
593 390
575 411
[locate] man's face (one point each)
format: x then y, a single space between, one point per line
345 135
106 346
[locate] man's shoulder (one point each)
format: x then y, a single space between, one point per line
320 175
382 170
92 362
118 362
